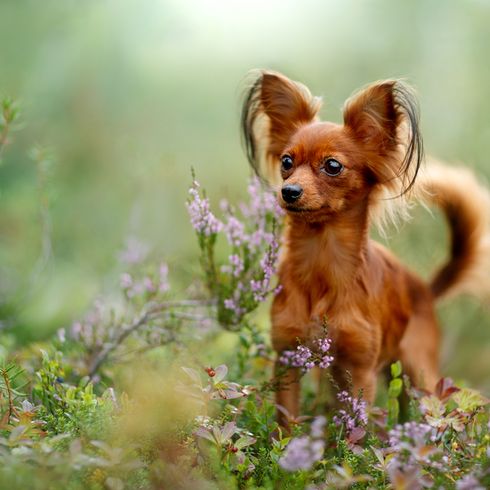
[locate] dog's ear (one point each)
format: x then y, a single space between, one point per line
384 117
273 109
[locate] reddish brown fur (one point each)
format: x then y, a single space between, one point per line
377 310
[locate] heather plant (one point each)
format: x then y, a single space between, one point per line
246 279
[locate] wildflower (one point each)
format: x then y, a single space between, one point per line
261 203
413 437
235 231
317 427
469 482
237 265
135 251
306 358
202 219
126 281
163 285
301 454
93 330
354 414
261 288
412 444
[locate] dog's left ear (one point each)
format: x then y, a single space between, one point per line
384 118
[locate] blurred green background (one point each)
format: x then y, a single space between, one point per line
126 96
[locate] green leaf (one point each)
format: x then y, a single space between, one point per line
469 400
393 411
395 388
396 369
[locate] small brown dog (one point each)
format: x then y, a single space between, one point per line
337 179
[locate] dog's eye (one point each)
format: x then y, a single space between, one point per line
332 167
286 163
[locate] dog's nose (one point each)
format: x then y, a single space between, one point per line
291 193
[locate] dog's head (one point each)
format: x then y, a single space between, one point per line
328 168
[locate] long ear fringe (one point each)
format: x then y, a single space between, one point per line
406 105
255 128
251 110
393 199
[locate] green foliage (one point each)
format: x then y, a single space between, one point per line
72 410
394 391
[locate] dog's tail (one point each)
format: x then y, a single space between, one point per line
466 205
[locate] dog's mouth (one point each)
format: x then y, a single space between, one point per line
298 209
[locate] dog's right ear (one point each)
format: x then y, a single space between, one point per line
273 109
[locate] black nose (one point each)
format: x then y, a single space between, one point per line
291 193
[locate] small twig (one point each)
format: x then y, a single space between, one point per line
146 316
10 396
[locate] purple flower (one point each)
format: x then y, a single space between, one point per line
126 280
164 285
235 231
262 287
135 252
237 265
413 446
202 219
411 436
247 279
302 453
354 414
261 203
469 482
92 331
306 358
318 426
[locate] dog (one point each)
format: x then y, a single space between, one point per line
335 181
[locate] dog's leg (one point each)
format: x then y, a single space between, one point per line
357 380
287 394
419 350
364 383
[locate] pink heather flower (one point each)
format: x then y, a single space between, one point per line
126 280
355 413
411 435
237 265
235 231
306 358
301 454
135 251
261 288
469 482
202 219
412 445
148 284
92 331
261 202
164 285
233 304
318 426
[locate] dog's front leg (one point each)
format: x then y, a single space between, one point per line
364 383
288 389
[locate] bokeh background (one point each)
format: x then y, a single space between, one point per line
120 99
